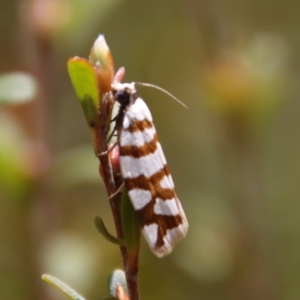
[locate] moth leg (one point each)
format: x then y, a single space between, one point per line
111 147
112 133
119 190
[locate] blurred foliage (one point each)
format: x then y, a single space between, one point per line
16 170
250 80
233 154
16 88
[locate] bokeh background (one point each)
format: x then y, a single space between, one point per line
234 154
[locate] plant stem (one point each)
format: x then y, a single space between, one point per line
112 183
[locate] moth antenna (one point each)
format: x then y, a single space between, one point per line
162 90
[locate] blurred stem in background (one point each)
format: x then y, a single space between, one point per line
36 214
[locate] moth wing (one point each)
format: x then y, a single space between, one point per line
149 183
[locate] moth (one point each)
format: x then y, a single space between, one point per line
146 174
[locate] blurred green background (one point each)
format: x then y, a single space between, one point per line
234 154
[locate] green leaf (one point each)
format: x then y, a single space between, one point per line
17 88
131 225
62 287
85 83
116 278
102 229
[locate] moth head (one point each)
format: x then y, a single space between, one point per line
124 93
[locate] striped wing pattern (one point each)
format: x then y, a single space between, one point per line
148 180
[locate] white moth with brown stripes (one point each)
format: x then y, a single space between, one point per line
146 174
